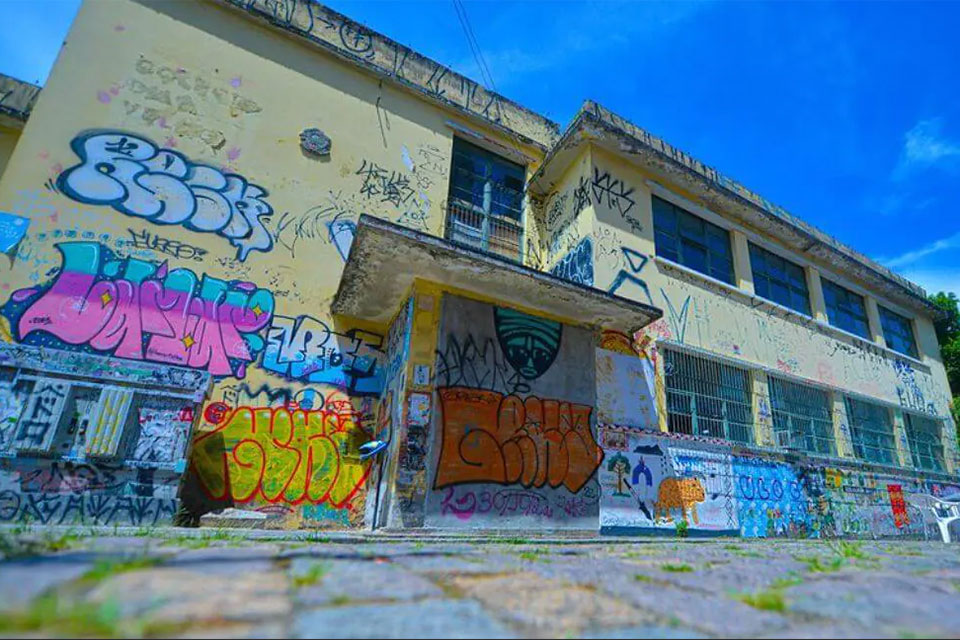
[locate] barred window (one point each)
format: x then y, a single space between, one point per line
898 332
926 448
871 430
692 241
802 416
779 280
707 398
485 206
845 309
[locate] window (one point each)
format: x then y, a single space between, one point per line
923 433
802 417
898 332
845 309
691 241
486 201
871 430
707 398
779 280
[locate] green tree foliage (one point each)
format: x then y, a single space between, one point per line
948 335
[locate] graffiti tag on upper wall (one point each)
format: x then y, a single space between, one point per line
143 311
138 178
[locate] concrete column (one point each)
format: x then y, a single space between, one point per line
818 308
900 439
742 270
873 317
841 427
762 410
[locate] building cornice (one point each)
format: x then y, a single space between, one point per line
17 99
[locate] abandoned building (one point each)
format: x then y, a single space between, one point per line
266 263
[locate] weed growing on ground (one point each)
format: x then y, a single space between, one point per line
50 616
340 600
816 564
676 568
789 581
848 549
105 568
513 541
20 543
314 574
535 555
639 577
767 600
683 529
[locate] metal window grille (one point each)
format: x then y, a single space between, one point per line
924 436
485 204
692 241
871 429
897 332
802 417
706 397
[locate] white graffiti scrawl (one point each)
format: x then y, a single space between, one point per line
140 179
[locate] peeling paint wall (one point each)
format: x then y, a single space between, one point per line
174 218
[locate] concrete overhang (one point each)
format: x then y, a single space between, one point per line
599 126
386 258
16 101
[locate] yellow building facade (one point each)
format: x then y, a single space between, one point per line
422 305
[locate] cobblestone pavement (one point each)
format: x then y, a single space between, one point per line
228 585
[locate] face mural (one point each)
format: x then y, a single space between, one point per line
514 443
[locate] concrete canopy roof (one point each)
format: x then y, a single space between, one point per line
603 128
16 100
386 258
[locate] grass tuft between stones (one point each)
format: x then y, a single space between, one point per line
314 574
105 568
767 600
676 568
51 616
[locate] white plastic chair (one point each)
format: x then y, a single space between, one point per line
943 510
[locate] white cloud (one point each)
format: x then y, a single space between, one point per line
925 146
911 257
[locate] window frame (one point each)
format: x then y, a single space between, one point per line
700 397
834 318
681 236
915 456
763 255
460 210
888 315
815 434
866 437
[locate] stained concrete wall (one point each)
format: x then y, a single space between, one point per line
513 441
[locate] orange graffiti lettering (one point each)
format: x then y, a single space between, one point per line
278 455
489 437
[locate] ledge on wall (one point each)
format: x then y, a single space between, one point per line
386 258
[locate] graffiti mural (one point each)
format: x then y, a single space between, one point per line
489 437
529 343
138 178
306 350
771 500
577 265
280 456
143 311
635 264
654 486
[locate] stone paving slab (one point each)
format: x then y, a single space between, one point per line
427 619
221 585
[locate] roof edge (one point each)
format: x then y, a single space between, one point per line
374 52
17 97
591 113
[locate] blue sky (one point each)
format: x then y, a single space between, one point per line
846 114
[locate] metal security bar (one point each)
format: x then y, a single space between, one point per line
926 448
802 417
706 397
485 232
871 429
